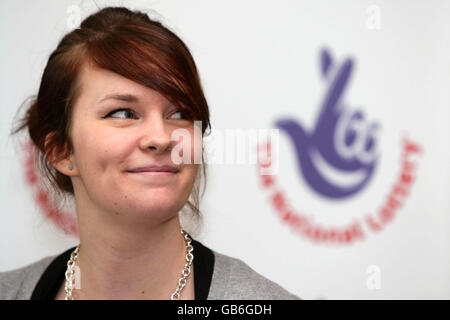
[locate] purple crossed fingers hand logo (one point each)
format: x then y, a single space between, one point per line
338 156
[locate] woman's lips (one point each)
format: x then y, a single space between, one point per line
155 173
156 168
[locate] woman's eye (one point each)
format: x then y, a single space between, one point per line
179 116
123 111
126 113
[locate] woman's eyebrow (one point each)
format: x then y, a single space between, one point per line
120 97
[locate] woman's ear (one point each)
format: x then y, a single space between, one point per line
59 159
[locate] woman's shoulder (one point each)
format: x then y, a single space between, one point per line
233 279
18 284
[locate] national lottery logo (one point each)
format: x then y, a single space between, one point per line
342 142
337 158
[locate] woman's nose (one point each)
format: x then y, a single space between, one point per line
156 136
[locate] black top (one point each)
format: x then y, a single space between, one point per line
53 277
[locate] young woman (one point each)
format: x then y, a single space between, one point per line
113 96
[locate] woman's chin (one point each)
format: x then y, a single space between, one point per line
163 210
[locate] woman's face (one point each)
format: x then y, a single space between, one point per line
108 143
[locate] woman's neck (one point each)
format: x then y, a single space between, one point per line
124 261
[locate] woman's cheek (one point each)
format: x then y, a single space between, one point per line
196 146
183 152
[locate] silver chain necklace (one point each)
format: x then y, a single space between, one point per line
70 272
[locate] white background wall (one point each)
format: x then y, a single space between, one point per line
258 61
